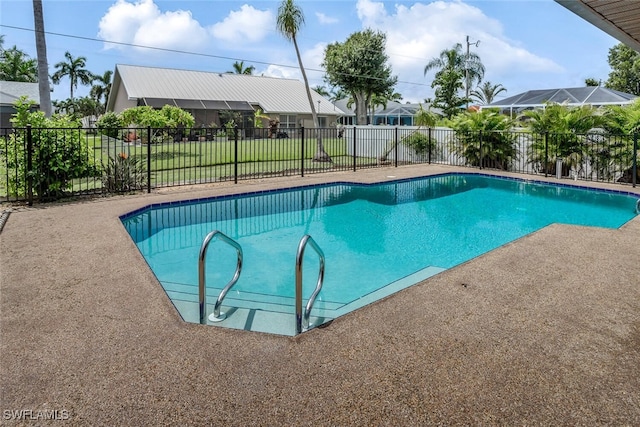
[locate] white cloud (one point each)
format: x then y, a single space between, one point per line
418 32
282 72
246 24
142 23
324 19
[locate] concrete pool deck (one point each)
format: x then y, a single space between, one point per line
544 330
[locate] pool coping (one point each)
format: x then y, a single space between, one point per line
545 330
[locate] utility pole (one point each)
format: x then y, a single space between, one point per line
466 68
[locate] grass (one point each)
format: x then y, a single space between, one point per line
179 163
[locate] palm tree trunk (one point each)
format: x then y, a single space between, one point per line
321 155
43 65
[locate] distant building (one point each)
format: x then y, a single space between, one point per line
393 114
595 96
9 93
207 95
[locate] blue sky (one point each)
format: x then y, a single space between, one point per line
524 44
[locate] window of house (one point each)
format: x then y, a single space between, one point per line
288 121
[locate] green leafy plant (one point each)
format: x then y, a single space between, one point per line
420 143
60 152
484 139
123 173
567 140
230 128
109 124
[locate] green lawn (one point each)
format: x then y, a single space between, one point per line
180 163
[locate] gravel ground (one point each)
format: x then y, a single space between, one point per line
542 331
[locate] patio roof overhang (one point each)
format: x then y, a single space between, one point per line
618 18
198 104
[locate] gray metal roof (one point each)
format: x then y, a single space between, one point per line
200 89
11 91
590 95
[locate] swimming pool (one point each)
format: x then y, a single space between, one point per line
377 239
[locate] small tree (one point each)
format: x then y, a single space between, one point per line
567 128
484 139
109 124
60 152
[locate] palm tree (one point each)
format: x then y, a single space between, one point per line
102 88
321 90
382 100
239 68
486 93
43 65
74 69
453 65
484 139
16 66
568 129
290 19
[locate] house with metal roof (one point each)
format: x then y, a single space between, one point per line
10 92
595 96
392 114
209 96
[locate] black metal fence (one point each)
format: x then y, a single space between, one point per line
43 164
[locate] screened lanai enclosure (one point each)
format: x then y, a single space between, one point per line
595 96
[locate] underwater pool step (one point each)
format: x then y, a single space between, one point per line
249 300
391 288
249 319
271 314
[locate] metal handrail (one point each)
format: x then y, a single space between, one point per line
302 319
216 316
638 206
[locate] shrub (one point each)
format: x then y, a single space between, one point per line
420 143
60 152
123 173
109 124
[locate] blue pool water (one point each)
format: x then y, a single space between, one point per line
377 238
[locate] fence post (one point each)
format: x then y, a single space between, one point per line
481 155
29 166
546 154
354 148
429 144
235 154
396 145
302 151
148 159
635 159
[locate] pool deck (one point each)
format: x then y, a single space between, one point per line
542 331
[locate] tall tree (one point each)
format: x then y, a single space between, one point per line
360 66
590 81
453 66
16 66
101 88
321 90
239 68
73 68
290 19
486 93
625 69
44 88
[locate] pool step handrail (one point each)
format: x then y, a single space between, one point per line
216 316
638 206
302 319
